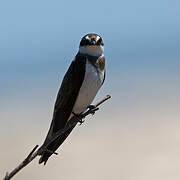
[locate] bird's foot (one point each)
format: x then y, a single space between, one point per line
92 107
79 117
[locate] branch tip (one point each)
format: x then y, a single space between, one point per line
36 152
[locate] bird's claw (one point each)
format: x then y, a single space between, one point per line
93 108
90 107
78 116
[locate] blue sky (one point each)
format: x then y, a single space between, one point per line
38 40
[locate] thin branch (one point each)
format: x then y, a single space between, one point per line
34 153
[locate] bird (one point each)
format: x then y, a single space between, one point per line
83 79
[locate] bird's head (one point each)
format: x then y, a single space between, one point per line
91 44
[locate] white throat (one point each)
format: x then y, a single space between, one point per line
92 50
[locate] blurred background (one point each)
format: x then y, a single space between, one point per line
136 134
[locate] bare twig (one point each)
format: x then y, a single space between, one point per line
34 153
28 159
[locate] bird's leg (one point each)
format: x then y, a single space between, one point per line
92 107
78 117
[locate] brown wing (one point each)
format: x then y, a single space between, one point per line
101 65
64 104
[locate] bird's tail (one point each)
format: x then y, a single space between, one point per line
53 146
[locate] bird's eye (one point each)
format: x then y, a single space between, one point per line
84 42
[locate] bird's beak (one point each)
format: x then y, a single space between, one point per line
93 42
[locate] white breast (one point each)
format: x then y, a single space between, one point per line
92 82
